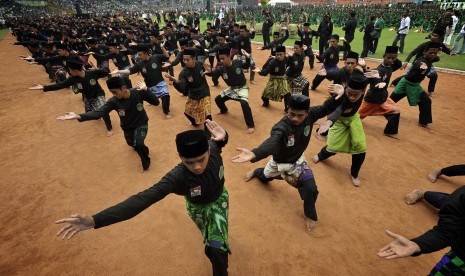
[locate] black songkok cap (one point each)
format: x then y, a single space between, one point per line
221 35
433 45
391 49
276 33
298 42
183 42
439 32
189 52
243 27
357 81
115 83
191 143
74 64
299 102
306 24
224 51
280 49
334 36
352 55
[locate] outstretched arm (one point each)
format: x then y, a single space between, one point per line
401 247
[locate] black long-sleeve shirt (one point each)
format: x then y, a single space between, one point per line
450 230
331 55
418 52
150 69
307 37
120 59
245 42
199 189
295 64
325 29
380 95
287 142
88 85
416 74
192 82
349 28
274 67
232 75
272 45
130 111
341 76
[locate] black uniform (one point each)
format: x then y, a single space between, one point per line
266 28
133 119
287 143
306 38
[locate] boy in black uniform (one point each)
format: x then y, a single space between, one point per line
87 84
306 36
266 28
244 45
130 107
276 88
277 41
409 85
150 66
298 84
199 178
192 82
233 75
330 58
288 140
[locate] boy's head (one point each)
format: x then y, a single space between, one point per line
193 149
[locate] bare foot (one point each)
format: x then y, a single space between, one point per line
393 136
414 196
168 116
311 224
109 133
433 176
250 130
248 175
424 125
315 159
356 181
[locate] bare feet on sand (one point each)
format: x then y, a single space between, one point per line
414 196
315 159
109 133
433 176
393 136
424 126
310 224
248 175
356 181
168 116
250 130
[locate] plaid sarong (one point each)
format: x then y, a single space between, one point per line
347 136
297 84
276 88
292 173
450 264
198 109
236 93
212 221
93 103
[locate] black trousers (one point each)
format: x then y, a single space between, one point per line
436 199
135 138
454 170
392 126
348 40
218 259
317 81
367 44
323 44
424 105
287 97
307 188
374 45
311 56
165 104
357 160
248 118
266 37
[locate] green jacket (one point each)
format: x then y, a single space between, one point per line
379 26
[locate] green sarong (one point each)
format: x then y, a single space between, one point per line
412 89
347 136
276 88
212 220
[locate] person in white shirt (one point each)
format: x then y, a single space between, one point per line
450 31
403 31
459 37
221 15
181 20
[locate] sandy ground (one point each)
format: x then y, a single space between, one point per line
51 169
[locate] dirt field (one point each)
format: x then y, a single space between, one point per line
52 169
